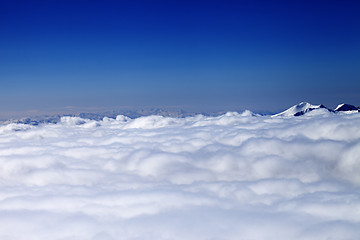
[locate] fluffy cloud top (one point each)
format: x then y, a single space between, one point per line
234 176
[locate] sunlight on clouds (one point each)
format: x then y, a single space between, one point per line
234 176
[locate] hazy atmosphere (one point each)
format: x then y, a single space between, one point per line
196 55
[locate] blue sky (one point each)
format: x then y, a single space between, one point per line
196 55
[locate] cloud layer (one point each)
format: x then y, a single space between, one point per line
234 176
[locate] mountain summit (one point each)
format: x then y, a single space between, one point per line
301 109
346 107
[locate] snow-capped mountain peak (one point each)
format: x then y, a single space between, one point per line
300 109
345 107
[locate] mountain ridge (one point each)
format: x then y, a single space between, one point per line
304 107
297 110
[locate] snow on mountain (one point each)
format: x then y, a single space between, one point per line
345 107
300 109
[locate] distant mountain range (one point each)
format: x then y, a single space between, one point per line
36 120
296 110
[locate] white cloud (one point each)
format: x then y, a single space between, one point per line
234 176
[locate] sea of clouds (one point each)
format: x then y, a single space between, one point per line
235 176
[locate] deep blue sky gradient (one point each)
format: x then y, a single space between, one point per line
197 55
